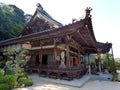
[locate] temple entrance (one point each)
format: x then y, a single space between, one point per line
44 59
37 62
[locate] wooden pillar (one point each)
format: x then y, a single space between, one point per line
32 59
89 66
55 51
79 56
99 59
67 51
88 58
84 61
40 53
40 56
84 57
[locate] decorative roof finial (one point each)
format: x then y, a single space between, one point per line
39 6
88 9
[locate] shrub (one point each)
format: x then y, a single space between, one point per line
22 75
2 62
10 80
9 71
1 72
16 85
25 81
28 82
115 77
22 79
117 63
4 87
2 79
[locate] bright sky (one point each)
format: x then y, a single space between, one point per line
105 15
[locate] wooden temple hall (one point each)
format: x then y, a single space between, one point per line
57 51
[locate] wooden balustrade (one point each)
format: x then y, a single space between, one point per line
56 72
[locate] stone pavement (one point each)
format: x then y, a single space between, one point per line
118 71
75 83
95 83
102 77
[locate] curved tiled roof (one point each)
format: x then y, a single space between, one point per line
42 26
40 21
105 47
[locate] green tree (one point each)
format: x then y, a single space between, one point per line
2 62
17 59
108 61
12 21
117 63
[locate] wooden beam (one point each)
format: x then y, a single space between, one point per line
94 42
64 49
43 47
78 31
76 43
79 56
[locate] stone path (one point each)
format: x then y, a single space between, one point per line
93 84
75 83
118 75
102 77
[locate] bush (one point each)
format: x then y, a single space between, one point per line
16 85
9 71
25 81
22 79
7 79
115 77
4 87
10 80
28 82
22 75
2 79
1 72
2 62
117 63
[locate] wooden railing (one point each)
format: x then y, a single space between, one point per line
56 72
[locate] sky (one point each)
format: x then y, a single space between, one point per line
105 15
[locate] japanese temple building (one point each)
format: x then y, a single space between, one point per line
56 50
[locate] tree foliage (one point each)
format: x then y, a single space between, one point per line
109 62
12 21
117 63
17 59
